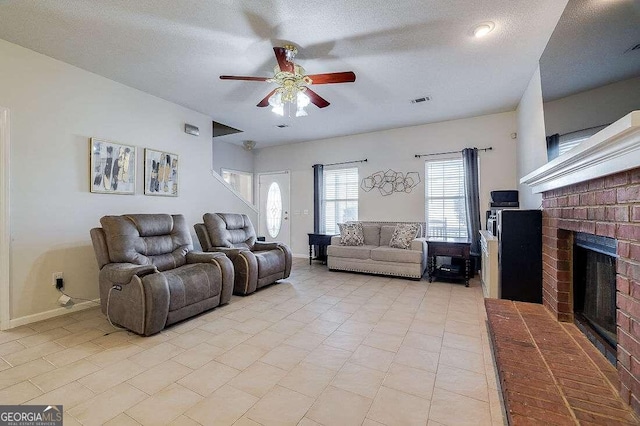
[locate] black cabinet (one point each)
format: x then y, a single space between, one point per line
520 255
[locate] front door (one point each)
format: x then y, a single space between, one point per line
273 199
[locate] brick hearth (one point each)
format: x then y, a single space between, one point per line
549 372
607 206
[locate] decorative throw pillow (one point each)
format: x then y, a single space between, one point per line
351 234
403 235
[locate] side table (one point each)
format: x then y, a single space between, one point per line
458 248
320 241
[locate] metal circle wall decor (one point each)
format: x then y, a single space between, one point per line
391 181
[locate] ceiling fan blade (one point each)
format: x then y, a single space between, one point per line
265 102
236 77
316 99
333 77
281 56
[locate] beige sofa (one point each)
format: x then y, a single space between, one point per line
376 257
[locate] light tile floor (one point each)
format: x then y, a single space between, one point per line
320 348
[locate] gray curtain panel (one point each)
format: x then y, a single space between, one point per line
318 191
553 146
472 197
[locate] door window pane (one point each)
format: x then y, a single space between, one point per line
274 210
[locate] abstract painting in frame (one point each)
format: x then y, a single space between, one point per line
113 167
160 173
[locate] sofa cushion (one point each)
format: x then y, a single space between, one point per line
371 234
192 283
354 252
386 232
351 234
403 235
389 254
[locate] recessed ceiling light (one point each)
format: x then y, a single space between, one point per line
483 29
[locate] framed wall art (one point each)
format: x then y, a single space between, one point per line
160 173
112 167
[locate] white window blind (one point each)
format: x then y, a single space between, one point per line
570 140
340 197
446 214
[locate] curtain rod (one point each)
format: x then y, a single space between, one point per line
346 162
450 152
582 130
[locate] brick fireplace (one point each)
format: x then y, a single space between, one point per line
608 206
595 189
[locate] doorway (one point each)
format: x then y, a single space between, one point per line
5 289
273 206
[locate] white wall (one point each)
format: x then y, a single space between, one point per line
532 145
55 109
231 156
592 108
393 149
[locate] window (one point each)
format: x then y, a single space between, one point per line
340 201
241 182
446 214
573 139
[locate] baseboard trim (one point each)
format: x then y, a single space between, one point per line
300 256
57 312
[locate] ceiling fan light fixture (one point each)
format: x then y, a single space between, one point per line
483 29
276 99
302 100
278 109
292 82
248 145
290 52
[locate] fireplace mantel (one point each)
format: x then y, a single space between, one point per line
614 149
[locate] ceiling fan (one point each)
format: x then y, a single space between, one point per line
293 83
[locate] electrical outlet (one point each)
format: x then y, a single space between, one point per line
58 280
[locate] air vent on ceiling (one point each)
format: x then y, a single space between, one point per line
422 99
633 48
282 126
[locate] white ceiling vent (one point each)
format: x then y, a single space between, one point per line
422 99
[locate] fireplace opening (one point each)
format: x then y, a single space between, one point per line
594 290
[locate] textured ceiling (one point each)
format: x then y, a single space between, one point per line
590 47
399 50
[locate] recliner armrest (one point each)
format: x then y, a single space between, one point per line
231 253
202 257
261 246
122 273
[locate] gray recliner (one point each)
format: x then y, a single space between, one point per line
150 277
256 264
